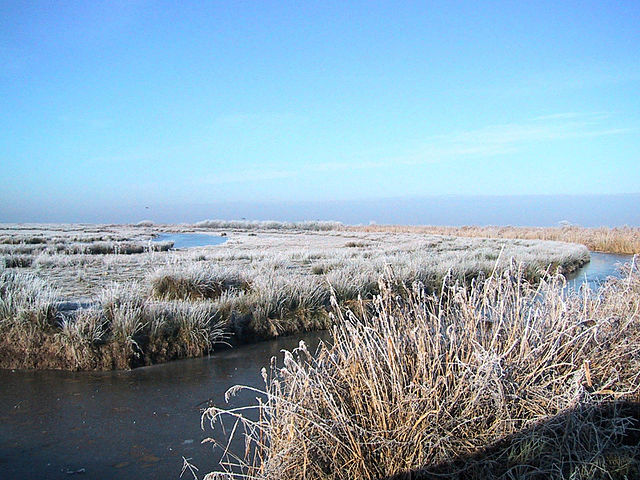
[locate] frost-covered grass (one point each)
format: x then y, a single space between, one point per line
25 300
499 379
269 225
195 281
122 329
261 283
624 240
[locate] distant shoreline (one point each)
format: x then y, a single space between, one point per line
592 211
623 240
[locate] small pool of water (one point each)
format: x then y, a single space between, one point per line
188 240
596 272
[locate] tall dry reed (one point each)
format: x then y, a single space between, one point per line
519 372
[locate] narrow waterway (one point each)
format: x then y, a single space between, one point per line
140 423
122 425
596 272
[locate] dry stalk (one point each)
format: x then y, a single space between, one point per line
511 378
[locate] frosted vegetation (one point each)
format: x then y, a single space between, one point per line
499 379
624 240
316 226
265 281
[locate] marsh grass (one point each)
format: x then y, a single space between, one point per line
497 379
70 241
122 330
275 283
25 298
17 261
195 282
317 226
78 336
22 239
623 240
114 247
279 306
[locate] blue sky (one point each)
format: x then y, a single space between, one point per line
106 105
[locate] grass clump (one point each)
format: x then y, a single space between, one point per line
355 244
78 337
122 330
497 379
27 314
183 329
279 306
194 282
25 298
18 261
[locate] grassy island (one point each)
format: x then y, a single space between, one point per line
106 297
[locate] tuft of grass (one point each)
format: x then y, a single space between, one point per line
194 282
280 306
356 244
78 337
190 328
497 379
25 298
18 261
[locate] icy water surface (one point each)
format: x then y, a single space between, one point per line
123 425
596 272
187 240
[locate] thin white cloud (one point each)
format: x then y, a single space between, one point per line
513 137
263 173
249 175
479 143
565 115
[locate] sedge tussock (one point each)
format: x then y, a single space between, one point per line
195 281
